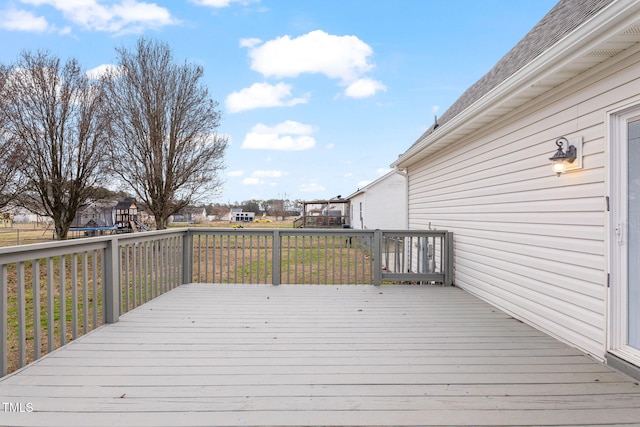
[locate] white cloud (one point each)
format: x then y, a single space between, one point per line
339 57
312 187
22 20
268 174
286 136
252 181
330 146
124 16
383 171
258 177
235 173
218 3
261 95
364 183
101 70
249 42
364 87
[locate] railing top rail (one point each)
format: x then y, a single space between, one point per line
301 231
414 232
152 235
225 231
11 254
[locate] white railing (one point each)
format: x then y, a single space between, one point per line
51 293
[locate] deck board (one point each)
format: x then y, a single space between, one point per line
205 355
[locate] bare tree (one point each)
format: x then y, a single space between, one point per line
163 125
9 156
52 113
9 177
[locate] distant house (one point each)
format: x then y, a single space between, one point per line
22 215
382 204
190 215
237 215
558 252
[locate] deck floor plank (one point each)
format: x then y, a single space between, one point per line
205 355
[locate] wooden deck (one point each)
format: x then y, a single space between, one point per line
204 355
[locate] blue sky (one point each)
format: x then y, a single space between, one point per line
318 96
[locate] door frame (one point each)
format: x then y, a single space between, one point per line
617 313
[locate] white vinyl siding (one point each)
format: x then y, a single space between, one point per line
525 240
382 204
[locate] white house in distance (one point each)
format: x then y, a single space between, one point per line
237 215
381 204
558 252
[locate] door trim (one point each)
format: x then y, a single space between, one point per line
617 313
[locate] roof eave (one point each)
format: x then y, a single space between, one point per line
608 23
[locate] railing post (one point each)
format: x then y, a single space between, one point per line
377 257
187 257
4 347
111 281
448 277
275 268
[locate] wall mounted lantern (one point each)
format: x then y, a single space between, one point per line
569 158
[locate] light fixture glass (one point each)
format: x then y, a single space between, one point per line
562 159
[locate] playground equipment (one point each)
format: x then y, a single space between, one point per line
127 217
6 219
125 220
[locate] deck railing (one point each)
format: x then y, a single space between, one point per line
51 293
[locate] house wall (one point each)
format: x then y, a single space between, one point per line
383 205
357 211
529 242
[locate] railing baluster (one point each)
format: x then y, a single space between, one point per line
4 344
230 258
214 251
85 293
134 275
251 258
295 260
235 259
333 259
139 272
277 263
163 264
94 286
199 259
50 317
74 296
341 249
168 256
206 258
22 317
325 261
266 258
242 270
35 274
63 300
319 257
126 286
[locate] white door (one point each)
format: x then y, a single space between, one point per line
625 215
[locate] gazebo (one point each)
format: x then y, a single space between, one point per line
332 213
